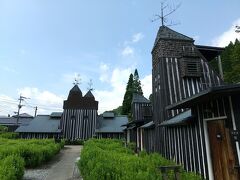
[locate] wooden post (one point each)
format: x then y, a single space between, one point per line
220 67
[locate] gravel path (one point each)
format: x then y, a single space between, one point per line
62 167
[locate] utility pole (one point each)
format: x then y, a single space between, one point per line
21 98
35 111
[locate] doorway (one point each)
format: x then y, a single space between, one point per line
222 155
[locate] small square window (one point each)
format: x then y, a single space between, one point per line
190 67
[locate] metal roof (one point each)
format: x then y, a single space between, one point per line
148 125
108 115
209 52
207 95
13 121
42 124
165 32
137 98
56 115
23 115
111 125
179 119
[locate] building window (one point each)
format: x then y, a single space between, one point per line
190 67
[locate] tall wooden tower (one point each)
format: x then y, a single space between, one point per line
79 115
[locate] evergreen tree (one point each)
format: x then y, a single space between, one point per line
133 86
137 83
230 62
127 100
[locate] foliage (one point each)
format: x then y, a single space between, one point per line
230 62
3 129
34 152
107 159
9 135
74 142
117 111
133 86
11 168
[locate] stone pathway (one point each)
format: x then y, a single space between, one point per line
62 167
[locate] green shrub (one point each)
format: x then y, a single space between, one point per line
12 168
34 151
9 135
108 159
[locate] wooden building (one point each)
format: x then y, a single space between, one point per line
196 115
41 127
109 125
12 123
141 114
79 115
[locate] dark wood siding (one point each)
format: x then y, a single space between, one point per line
78 123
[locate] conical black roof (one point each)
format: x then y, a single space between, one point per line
89 95
165 32
75 92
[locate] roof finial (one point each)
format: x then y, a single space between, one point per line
163 16
77 79
90 84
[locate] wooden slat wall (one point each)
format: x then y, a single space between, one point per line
183 144
80 128
110 135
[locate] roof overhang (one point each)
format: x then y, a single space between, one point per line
148 125
180 119
209 52
207 95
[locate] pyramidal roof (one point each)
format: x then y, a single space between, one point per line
89 94
75 91
165 32
137 98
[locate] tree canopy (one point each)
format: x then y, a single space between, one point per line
133 86
230 62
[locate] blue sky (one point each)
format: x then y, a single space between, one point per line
45 44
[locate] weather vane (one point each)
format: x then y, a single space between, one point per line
163 16
77 79
90 84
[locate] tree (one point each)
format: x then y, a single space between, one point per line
230 62
133 86
127 100
137 83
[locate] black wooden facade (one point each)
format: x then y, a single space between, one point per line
187 96
79 115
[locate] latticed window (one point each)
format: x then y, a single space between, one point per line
190 67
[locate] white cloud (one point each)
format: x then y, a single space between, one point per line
46 101
127 51
111 99
229 35
137 37
147 85
104 72
8 105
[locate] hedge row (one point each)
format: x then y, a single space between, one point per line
107 159
12 168
15 154
34 152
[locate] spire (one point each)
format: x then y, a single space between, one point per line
75 92
166 33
